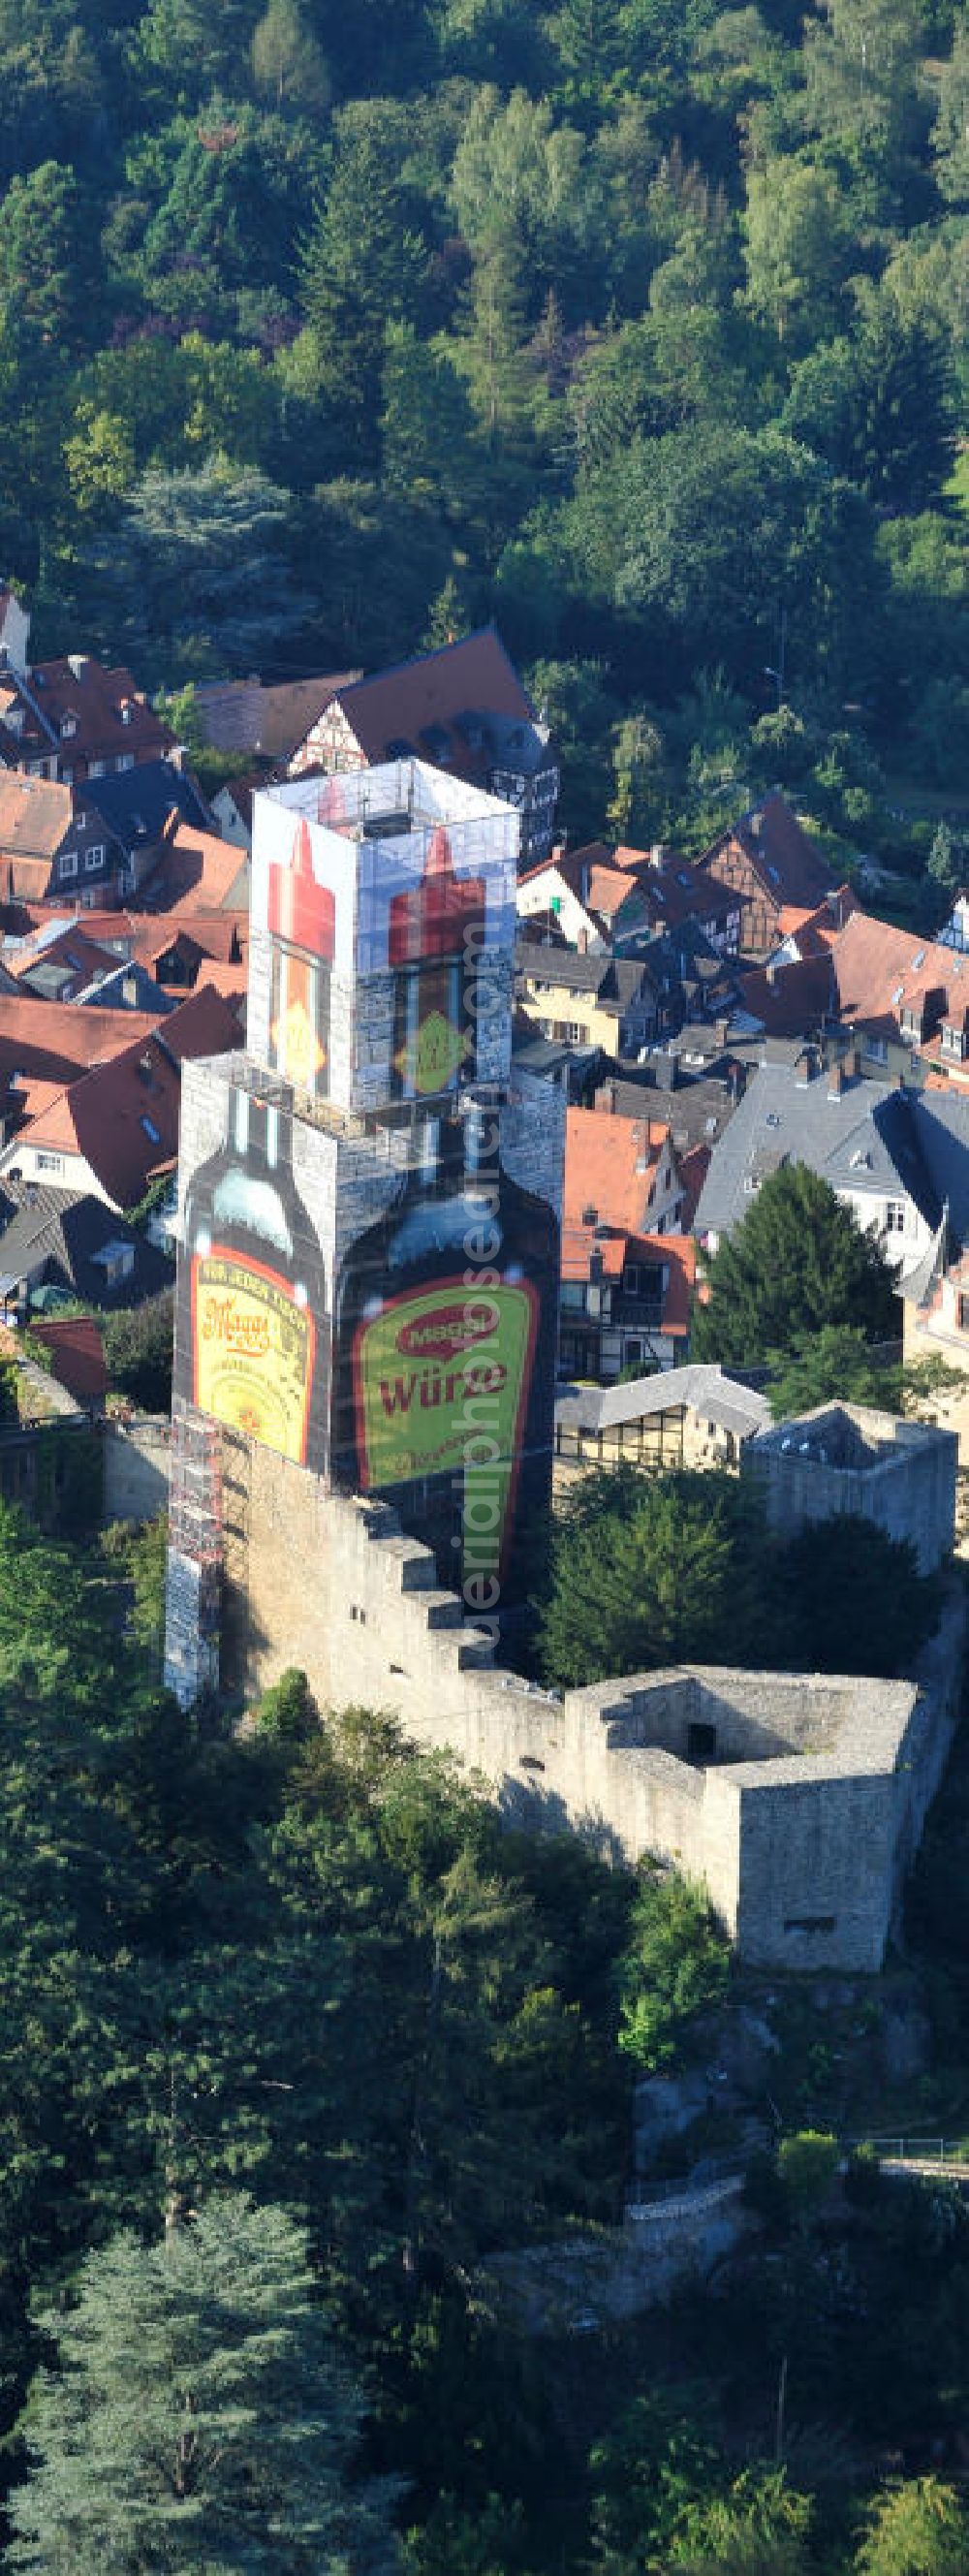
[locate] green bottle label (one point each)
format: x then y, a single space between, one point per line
441 1380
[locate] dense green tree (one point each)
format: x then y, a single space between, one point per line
916 2528
198 2415
198 573
676 1964
138 1351
648 1570
850 1595
795 1263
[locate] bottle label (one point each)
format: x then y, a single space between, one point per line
441 1383
254 1350
431 1060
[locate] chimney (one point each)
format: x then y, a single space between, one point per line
835 1085
606 1099
583 943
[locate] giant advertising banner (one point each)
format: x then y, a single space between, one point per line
445 1350
373 898
252 1321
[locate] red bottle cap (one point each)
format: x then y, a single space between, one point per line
301 913
432 919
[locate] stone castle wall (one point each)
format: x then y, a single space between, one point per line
801 1811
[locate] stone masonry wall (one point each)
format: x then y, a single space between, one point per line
802 1849
907 1485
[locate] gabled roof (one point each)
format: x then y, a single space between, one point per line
436 708
196 872
857 1135
63 1232
59 970
881 971
108 714
700 1388
122 1117
135 803
35 816
789 867
242 715
662 893
789 1000
55 1041
610 1167
615 980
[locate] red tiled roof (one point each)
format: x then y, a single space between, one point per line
196 871
122 1116
35 815
791 870
610 1166
54 1041
789 1000
76 1354
110 717
474 676
881 971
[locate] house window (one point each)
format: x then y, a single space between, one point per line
67 864
631 1279
94 857
125 760
48 1162
962 1311
573 1295
68 727
97 768
895 1216
150 1130
632 1353
877 1048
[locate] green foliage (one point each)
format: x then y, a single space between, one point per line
796 1264
198 2415
649 1570
676 1963
138 1343
807 2164
850 1595
917 2528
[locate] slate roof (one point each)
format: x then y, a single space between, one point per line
703 1390
784 1119
611 979
136 803
58 1233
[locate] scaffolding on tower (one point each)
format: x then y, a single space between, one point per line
195 1514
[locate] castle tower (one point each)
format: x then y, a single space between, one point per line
368 1210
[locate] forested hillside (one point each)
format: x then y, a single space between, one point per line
328 331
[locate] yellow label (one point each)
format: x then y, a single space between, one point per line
254 1350
432 1059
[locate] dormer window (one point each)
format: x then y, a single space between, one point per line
68 727
953 1039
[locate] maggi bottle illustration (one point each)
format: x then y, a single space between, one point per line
446 1339
301 923
252 1289
435 933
